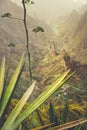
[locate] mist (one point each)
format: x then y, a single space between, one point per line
51 10
54 39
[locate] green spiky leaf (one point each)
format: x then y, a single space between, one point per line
52 113
65 113
69 124
42 98
43 127
40 117
9 90
18 108
2 76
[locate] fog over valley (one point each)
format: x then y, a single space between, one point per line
51 10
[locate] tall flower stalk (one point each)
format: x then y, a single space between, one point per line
27 40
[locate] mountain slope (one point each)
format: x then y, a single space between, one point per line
12 30
73 36
79 41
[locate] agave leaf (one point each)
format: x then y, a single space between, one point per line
65 113
11 86
2 75
18 108
42 98
69 125
35 123
40 117
19 127
7 72
52 113
78 127
43 127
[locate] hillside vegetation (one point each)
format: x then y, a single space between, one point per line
51 56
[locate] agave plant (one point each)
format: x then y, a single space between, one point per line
6 93
16 118
59 122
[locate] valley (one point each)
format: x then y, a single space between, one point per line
58 62
51 54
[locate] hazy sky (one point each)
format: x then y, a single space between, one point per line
82 1
50 10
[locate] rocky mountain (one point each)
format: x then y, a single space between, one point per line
12 29
72 35
82 9
69 51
